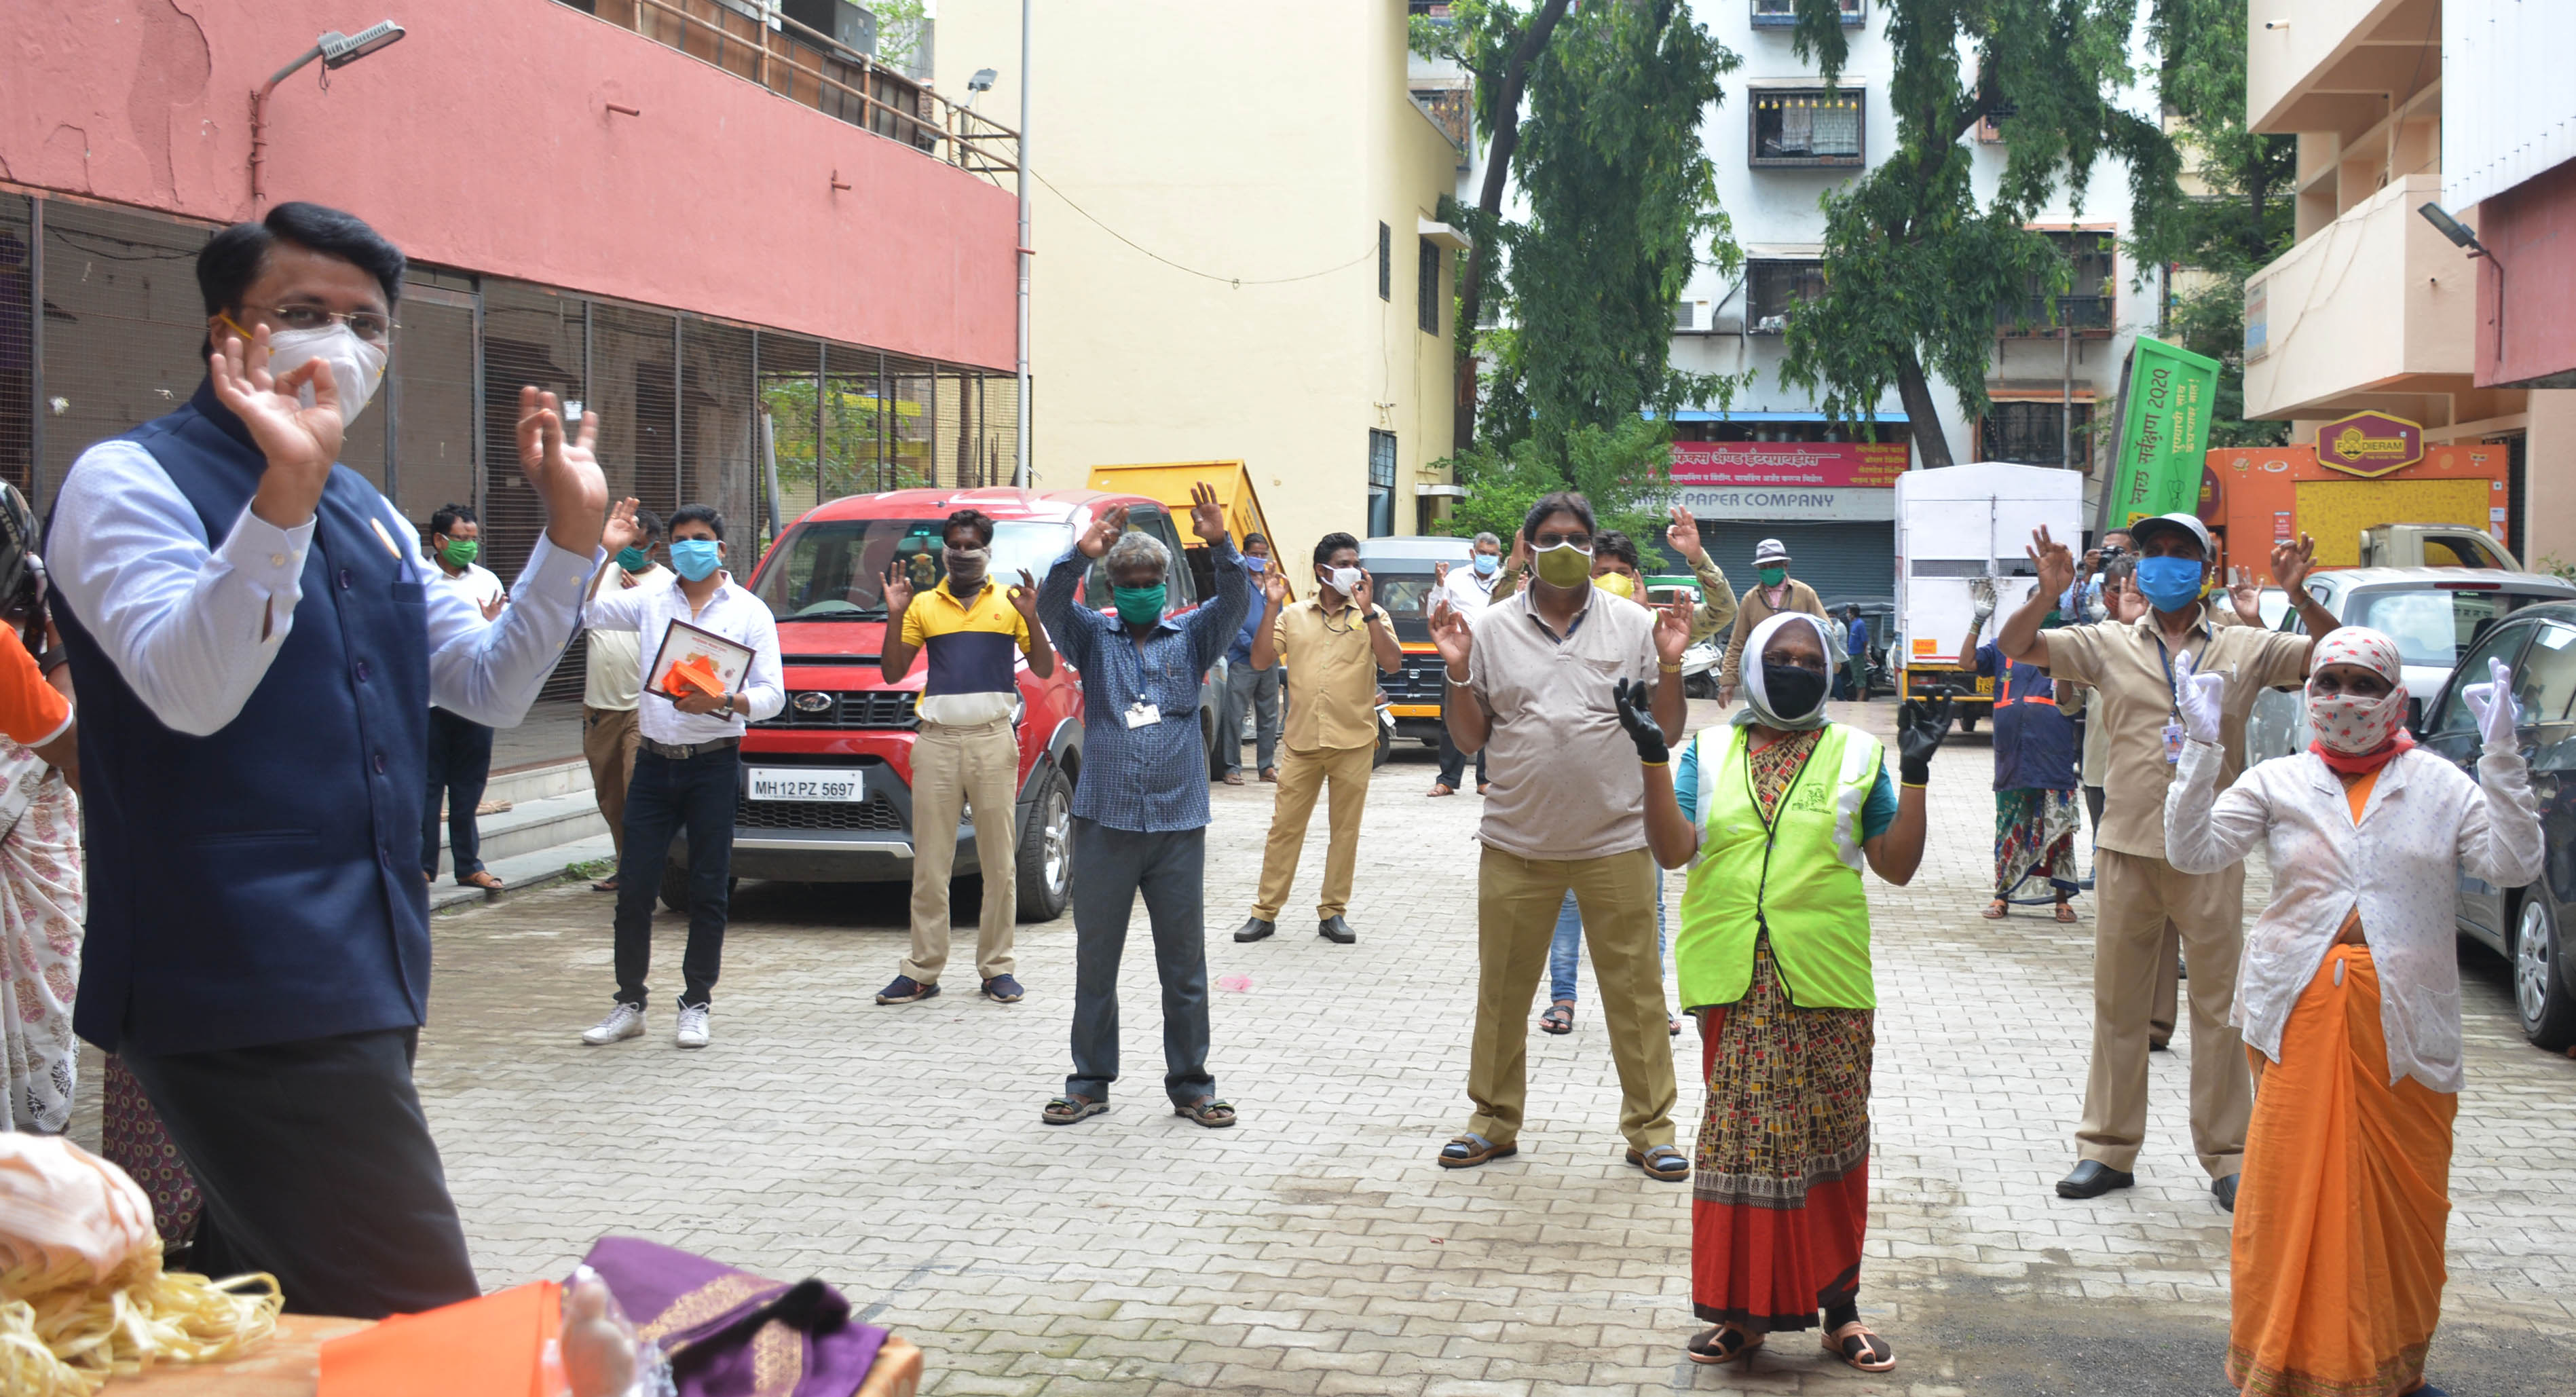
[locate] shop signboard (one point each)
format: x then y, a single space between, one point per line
1846 480
2369 444
2164 433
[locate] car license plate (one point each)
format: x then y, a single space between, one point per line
806 783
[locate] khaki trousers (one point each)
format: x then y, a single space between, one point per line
956 769
2134 896
1301 779
1517 901
608 742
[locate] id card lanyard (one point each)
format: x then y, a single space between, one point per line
2173 733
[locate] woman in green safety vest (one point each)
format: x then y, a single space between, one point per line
1775 814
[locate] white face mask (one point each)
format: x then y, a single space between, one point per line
356 366
1344 580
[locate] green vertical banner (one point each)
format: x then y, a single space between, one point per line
2164 434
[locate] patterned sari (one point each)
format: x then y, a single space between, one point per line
41 907
1780 1187
2035 838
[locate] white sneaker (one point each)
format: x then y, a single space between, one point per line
693 1026
623 1022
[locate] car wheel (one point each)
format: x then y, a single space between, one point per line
1045 873
2539 992
1385 747
1699 686
1967 722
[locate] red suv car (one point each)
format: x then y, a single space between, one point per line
827 784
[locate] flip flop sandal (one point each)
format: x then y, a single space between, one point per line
1065 1110
1723 1344
1468 1151
1662 1162
1214 1114
1996 910
1559 1018
481 879
2065 912
1856 1345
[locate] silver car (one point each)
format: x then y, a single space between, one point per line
2434 614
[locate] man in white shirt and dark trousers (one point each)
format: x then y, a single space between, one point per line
1467 590
257 648
612 685
460 749
688 768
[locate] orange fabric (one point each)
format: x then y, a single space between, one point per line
2341 1215
31 710
2357 792
487 1347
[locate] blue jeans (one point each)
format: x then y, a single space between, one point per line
1170 869
665 798
460 765
1565 953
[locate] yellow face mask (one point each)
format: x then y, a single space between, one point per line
1617 584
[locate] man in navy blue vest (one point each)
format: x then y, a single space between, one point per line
256 655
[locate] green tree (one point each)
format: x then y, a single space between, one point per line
1624 469
2241 219
1914 263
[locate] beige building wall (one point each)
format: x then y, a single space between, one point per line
1205 287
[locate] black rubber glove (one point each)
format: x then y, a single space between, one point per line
1635 701
1920 727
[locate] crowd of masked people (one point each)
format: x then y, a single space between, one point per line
215 608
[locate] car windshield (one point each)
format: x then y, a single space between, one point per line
1407 595
834 569
2431 625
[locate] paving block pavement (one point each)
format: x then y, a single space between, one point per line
1315 1249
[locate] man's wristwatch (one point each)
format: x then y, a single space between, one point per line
728 708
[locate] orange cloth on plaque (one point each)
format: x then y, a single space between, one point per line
31 710
693 673
2340 1217
488 1347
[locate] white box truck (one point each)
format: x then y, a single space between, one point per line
1957 525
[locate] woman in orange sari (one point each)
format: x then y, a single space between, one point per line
2349 1001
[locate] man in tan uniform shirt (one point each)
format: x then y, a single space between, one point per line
1334 645
2133 669
1773 591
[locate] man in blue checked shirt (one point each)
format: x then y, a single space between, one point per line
1140 815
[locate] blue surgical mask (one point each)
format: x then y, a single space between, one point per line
2170 584
695 558
1487 562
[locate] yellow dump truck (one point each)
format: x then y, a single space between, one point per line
1170 482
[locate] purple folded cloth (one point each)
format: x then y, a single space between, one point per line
729 1333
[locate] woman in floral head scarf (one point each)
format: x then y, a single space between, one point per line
2349 1001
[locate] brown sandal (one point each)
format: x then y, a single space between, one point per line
1856 1345
480 878
2065 912
1997 910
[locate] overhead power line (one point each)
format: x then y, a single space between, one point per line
1237 283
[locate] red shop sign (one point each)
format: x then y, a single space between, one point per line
1815 464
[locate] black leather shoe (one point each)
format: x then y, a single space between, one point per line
2226 1190
2092 1178
1337 931
2159 1045
1254 929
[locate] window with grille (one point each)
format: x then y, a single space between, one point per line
1782 14
1381 476
1426 290
2090 295
1804 128
1771 288
1685 315
1385 262
2032 434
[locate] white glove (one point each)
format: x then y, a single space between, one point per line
2492 705
1982 592
2202 698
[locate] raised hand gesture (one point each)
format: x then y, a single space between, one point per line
1364 592
1684 537
1634 699
2202 697
1274 587
1920 727
2056 563
2246 594
1452 636
2123 602
1023 597
2492 705
492 609
1439 574
898 590
2292 562
622 531
565 474
300 442
1672 629
1519 557
1207 517
1103 532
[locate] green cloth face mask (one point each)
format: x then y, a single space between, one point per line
1139 606
634 559
1772 577
1564 565
460 552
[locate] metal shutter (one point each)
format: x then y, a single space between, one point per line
1840 560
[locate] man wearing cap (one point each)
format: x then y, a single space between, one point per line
2135 669
1773 592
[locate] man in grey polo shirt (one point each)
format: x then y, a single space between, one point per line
1531 678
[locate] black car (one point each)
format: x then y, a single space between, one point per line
2527 926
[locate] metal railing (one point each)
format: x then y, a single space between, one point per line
818 71
2044 316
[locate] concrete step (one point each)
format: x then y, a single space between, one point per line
531 825
535 869
538 782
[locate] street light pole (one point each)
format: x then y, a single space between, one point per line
1020 469
336 50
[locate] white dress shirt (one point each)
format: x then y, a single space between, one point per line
733 613
1468 592
613 665
184 623
2424 822
476 584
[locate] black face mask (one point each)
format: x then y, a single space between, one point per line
1792 690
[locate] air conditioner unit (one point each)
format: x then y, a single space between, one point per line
838 20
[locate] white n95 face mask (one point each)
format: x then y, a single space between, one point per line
357 367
